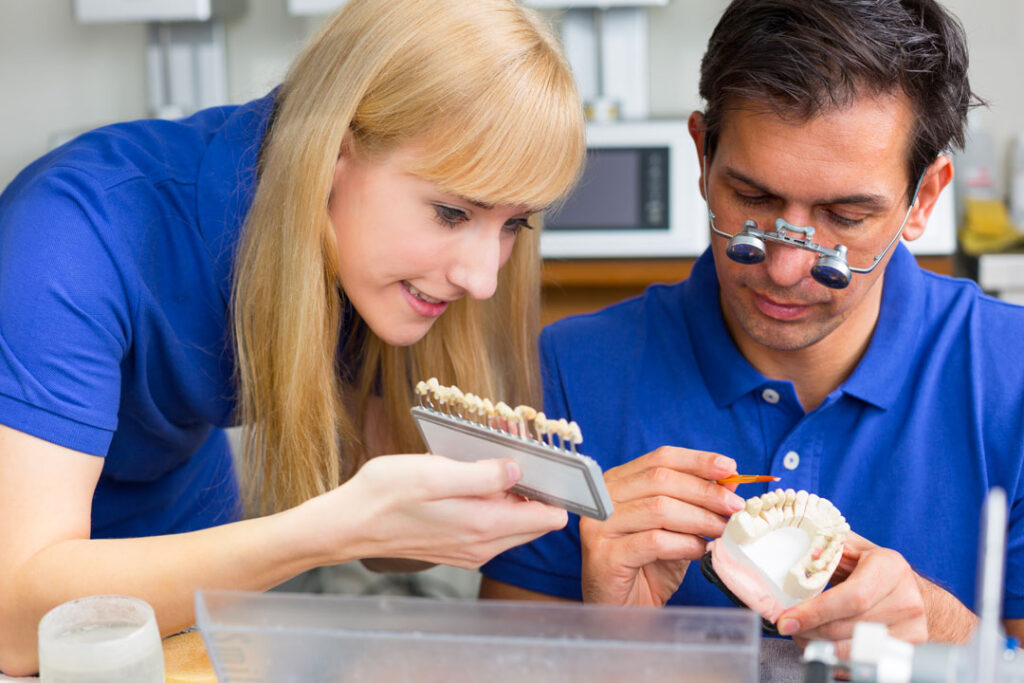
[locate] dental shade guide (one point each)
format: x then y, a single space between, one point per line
469 428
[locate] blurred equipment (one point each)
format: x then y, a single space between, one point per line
1017 182
606 43
185 57
989 657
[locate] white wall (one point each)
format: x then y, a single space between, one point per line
57 75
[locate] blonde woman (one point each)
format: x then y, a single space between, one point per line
291 265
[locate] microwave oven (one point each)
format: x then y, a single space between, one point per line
638 196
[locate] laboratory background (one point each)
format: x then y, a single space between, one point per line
70 65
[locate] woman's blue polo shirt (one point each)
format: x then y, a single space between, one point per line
907 447
116 253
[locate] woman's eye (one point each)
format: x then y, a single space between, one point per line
515 225
449 216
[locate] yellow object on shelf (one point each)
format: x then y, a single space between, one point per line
987 227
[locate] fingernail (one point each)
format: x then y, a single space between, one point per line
788 627
735 503
513 472
724 463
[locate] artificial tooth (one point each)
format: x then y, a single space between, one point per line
754 506
787 507
799 506
809 522
745 528
772 515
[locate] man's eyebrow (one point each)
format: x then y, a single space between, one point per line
868 200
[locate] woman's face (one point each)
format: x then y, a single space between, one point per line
406 249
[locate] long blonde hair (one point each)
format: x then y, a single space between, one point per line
484 83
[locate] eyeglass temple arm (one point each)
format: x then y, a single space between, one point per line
906 217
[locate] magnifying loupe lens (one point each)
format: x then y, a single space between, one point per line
745 249
831 272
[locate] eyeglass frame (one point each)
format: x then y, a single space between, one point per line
829 260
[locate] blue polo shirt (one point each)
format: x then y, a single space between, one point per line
116 253
907 447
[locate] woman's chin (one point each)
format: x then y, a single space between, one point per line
404 335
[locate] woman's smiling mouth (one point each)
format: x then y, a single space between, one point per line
423 304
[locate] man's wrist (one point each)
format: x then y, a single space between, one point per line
949 620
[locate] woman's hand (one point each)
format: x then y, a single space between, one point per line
431 508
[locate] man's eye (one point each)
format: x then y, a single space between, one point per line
753 200
843 221
449 215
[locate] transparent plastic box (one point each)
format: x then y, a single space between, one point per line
284 637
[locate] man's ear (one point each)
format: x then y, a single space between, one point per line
936 177
696 127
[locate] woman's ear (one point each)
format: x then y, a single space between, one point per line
936 177
696 127
344 156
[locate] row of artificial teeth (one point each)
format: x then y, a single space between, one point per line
818 517
450 400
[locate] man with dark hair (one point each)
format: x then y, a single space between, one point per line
846 370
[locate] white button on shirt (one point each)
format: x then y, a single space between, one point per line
791 460
770 395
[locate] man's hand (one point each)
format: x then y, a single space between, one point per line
666 504
876 584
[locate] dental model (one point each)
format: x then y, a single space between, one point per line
780 550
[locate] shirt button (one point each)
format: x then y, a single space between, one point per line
791 460
770 395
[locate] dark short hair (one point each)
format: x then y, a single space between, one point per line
804 57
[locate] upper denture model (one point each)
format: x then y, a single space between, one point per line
780 550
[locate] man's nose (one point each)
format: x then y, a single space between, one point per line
787 265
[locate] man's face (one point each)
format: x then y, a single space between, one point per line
845 174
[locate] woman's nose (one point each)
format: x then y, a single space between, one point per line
474 266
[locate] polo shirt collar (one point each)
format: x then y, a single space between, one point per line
727 374
878 377
881 374
226 184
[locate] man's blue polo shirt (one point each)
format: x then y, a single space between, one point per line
907 447
116 252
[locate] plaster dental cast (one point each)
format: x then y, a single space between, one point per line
779 550
852 374
286 265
